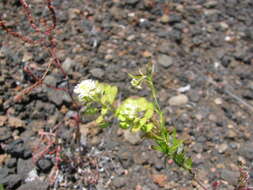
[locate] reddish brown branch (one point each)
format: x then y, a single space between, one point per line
15 34
56 60
51 9
32 21
39 82
20 36
29 15
48 41
42 41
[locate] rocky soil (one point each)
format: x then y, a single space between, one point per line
203 52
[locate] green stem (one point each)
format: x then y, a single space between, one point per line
157 106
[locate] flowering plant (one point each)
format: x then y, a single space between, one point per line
136 114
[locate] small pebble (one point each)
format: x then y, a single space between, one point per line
222 148
218 101
178 100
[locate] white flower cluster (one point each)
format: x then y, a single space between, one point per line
130 110
87 89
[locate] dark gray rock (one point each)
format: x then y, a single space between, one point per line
210 4
198 148
117 13
131 2
197 40
97 73
3 174
11 181
201 139
5 134
249 33
34 185
12 162
248 95
44 165
164 47
141 158
126 159
194 95
230 176
16 148
226 60
174 18
68 65
119 182
145 187
50 80
24 167
27 154
176 35
165 60
158 163
58 97
247 151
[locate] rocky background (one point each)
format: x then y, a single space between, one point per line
203 52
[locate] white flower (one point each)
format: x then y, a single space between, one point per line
130 110
87 89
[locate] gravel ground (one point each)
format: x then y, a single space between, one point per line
203 52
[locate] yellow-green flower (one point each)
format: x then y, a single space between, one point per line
135 113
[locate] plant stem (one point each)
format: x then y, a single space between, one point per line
154 96
200 184
197 180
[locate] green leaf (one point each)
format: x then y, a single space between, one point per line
122 118
188 163
164 134
104 111
104 124
137 77
142 121
1 187
136 121
156 147
109 95
148 127
91 110
177 143
136 128
150 112
124 125
164 147
100 120
174 133
179 159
